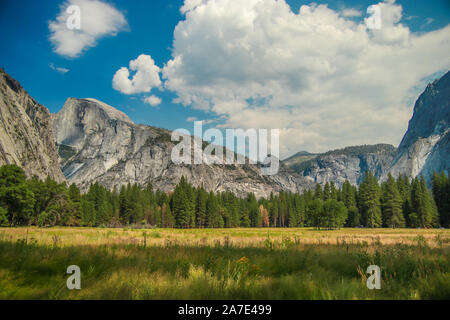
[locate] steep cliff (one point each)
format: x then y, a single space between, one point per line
99 143
26 132
425 148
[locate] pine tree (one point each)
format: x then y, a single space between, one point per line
255 218
180 206
333 191
348 197
318 193
299 207
214 212
425 213
87 212
292 217
202 197
327 192
392 205
273 212
124 205
315 213
369 201
440 187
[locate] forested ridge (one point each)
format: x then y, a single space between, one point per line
395 203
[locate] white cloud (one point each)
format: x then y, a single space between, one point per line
204 121
146 77
59 69
153 100
98 19
351 13
324 79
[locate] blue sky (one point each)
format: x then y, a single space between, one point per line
27 54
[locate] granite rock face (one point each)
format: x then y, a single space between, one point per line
425 148
344 164
26 132
98 143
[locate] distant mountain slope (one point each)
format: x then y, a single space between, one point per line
425 148
98 143
299 158
26 132
344 164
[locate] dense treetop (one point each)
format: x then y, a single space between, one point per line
395 203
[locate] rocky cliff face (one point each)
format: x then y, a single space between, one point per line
26 132
99 143
425 148
345 164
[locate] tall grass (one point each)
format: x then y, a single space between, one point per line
274 266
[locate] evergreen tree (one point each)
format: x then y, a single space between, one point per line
273 212
318 193
202 197
333 191
299 207
214 212
87 212
255 218
353 219
180 206
75 199
404 188
334 214
440 188
369 201
396 204
425 213
327 192
315 213
392 205
348 197
15 195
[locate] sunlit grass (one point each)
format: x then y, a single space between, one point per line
224 263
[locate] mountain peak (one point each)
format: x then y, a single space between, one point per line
431 112
79 117
110 111
425 146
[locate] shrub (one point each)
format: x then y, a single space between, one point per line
44 219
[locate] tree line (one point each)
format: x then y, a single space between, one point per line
395 203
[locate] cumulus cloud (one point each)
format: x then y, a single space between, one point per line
58 69
153 100
98 19
145 78
324 79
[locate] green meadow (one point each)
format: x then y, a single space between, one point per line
245 263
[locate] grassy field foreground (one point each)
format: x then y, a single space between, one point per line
224 263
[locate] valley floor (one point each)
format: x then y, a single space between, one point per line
254 263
